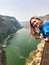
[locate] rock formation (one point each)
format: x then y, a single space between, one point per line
2 56
35 56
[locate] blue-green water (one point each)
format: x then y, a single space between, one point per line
19 47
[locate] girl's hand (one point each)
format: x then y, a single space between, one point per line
41 37
46 39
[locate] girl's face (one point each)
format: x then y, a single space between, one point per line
36 23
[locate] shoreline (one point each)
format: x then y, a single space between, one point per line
5 41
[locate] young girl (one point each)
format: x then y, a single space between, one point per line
39 28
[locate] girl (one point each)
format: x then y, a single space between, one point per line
39 28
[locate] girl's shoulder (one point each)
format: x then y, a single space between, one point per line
45 23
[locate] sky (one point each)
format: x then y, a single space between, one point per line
23 10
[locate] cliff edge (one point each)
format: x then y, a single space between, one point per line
35 56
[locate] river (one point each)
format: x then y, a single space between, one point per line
19 47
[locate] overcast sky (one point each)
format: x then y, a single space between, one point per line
24 9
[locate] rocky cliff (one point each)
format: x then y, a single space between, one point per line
8 25
35 56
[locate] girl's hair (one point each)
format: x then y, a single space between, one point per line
35 17
31 28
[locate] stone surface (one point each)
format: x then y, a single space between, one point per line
35 56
